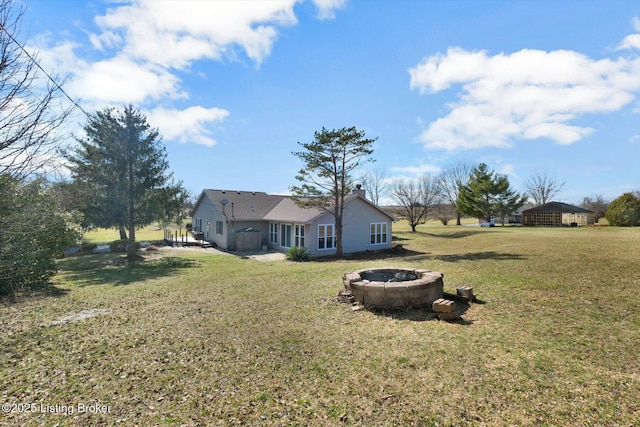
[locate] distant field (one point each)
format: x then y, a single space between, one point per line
107 235
189 338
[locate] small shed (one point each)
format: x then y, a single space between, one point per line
558 214
248 239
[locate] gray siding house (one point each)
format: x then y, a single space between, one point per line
250 221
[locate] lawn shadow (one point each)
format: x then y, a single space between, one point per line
458 234
49 290
113 269
470 256
397 251
426 314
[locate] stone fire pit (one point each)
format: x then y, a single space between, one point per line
389 288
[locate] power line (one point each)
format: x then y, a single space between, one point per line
43 70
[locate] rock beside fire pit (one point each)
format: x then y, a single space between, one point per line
445 309
392 288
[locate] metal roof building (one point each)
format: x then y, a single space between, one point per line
557 214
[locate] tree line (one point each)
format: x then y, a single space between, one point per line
462 189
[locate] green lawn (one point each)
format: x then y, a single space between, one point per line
108 235
188 338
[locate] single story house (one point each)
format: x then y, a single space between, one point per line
555 214
512 218
250 220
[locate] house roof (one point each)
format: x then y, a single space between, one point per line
288 210
555 207
258 206
241 205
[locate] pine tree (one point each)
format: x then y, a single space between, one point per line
488 194
122 163
325 179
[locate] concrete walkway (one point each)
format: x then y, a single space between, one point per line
261 256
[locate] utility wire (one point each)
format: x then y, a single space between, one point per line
44 71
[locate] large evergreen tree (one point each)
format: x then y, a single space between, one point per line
122 166
488 194
326 177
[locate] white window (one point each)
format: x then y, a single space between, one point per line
273 232
285 235
379 233
219 227
326 237
299 235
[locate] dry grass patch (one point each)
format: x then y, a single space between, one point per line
196 339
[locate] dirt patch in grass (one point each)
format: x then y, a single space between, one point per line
80 316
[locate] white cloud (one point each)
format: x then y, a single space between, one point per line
417 171
189 125
107 39
173 34
528 94
120 80
509 170
327 8
142 42
632 41
144 45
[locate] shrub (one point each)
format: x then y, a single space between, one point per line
624 211
32 233
297 254
121 245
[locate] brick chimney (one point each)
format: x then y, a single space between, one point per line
360 191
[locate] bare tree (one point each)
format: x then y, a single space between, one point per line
597 204
375 184
416 198
444 212
542 188
451 180
30 109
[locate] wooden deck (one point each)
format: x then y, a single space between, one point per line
177 239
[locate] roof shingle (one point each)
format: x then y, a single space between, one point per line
557 207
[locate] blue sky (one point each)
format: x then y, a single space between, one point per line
526 87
